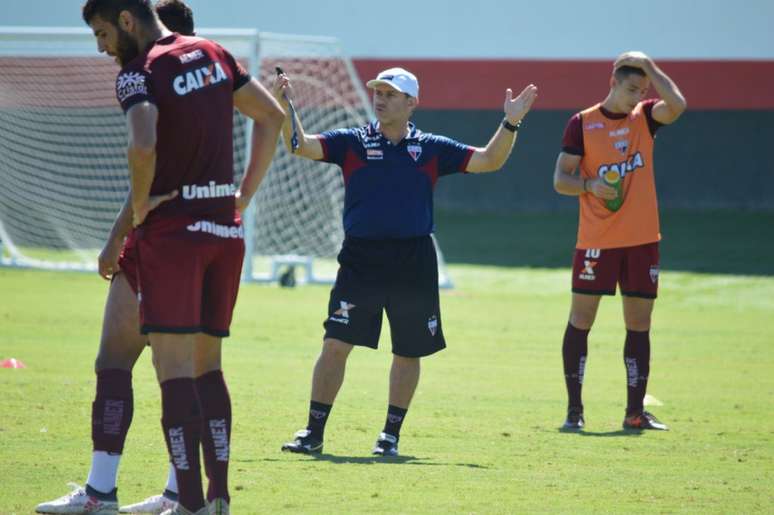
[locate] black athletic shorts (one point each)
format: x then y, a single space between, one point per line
397 276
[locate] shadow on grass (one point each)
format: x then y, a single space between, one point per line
602 434
381 460
547 240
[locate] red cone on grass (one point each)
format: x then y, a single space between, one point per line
12 363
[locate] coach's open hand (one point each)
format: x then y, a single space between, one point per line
154 201
516 108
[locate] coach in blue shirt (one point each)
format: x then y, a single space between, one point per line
388 261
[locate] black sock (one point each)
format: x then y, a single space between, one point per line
574 350
637 362
318 416
102 496
395 416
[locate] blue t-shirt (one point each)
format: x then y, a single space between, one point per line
389 188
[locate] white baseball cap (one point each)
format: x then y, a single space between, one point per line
397 78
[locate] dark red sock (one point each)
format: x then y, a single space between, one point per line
574 350
637 362
181 431
112 410
215 404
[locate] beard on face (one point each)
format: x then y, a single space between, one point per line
126 47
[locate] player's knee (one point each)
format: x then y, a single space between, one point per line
109 358
638 323
335 350
582 320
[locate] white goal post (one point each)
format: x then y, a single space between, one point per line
63 172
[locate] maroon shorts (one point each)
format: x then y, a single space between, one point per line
635 269
127 261
188 275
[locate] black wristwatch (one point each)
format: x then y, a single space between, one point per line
511 127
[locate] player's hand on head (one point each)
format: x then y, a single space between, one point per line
600 189
516 108
632 58
107 262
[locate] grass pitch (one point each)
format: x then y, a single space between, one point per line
482 435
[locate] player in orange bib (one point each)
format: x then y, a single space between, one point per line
607 162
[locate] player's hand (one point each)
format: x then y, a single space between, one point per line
282 90
241 202
516 108
635 59
154 201
107 262
600 189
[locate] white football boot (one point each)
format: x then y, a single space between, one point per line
78 502
154 505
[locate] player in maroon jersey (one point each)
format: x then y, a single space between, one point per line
179 95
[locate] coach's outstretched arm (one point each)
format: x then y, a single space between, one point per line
672 103
493 156
255 102
309 145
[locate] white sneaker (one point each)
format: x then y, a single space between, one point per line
78 502
155 505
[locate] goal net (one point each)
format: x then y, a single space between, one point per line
63 152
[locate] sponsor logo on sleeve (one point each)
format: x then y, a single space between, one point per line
129 84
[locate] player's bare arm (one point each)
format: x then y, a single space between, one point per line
255 102
309 145
672 103
107 262
492 157
141 155
567 182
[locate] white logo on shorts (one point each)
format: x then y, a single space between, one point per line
587 274
432 325
341 315
654 273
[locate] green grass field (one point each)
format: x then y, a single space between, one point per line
482 434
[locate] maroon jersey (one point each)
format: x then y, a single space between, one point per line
191 81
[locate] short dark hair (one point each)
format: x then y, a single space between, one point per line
109 10
176 15
623 72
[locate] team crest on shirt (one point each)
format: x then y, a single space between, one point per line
414 151
129 84
587 274
432 325
622 146
654 273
